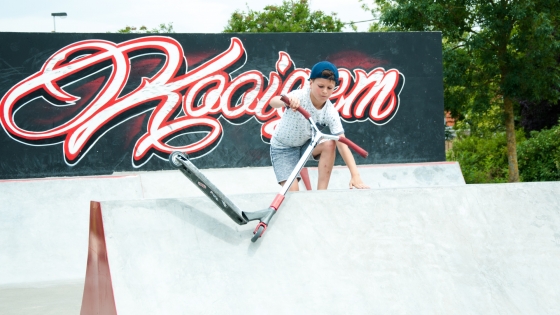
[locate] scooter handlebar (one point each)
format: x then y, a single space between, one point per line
363 153
352 145
302 111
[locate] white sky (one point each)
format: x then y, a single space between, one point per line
188 16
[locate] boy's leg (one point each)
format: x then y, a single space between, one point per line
326 152
294 187
283 162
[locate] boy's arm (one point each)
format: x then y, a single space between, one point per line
356 180
276 102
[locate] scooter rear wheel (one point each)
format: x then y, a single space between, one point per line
173 158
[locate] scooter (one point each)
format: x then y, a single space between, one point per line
182 162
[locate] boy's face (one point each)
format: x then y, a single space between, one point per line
322 89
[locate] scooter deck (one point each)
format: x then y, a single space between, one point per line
199 180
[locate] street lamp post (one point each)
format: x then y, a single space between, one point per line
54 15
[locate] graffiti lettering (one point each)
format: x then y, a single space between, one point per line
180 102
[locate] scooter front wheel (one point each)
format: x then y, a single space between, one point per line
258 234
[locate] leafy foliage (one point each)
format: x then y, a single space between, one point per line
481 124
162 28
536 116
492 48
495 53
539 157
291 16
482 159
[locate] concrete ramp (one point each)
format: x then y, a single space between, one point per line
43 225
470 249
44 219
396 175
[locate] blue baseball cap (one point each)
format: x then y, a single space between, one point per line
318 68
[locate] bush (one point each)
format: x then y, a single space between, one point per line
483 160
539 156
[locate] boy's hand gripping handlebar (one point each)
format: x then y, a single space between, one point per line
300 109
352 145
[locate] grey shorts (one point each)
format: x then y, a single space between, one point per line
284 160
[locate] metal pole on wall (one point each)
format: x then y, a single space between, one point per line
54 15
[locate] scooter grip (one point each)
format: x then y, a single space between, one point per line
363 153
302 111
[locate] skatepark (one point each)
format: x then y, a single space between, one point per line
95 220
420 241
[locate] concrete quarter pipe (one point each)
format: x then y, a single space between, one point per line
471 249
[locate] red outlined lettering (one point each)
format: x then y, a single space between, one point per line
179 102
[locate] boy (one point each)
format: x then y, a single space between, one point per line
292 135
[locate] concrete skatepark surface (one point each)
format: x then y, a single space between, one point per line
399 175
484 249
431 249
47 219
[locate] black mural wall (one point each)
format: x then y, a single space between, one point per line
85 104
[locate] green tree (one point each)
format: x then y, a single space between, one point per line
291 16
496 52
162 28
